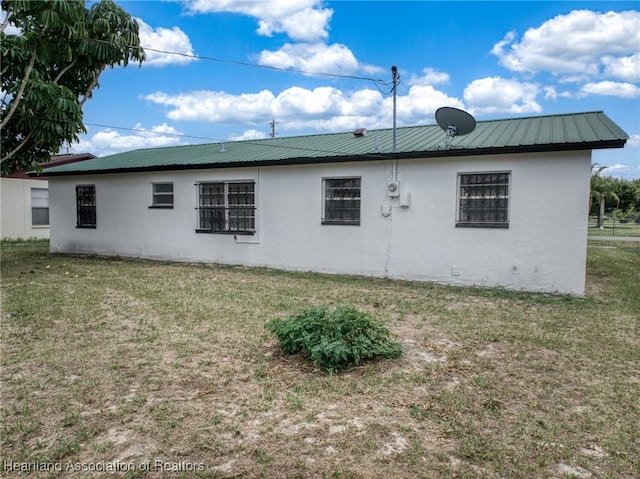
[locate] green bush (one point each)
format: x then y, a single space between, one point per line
334 339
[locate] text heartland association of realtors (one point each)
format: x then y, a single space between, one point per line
103 466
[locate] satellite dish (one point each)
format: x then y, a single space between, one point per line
454 122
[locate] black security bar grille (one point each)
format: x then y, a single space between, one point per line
86 206
226 207
342 201
484 200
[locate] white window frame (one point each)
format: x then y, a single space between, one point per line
156 201
39 202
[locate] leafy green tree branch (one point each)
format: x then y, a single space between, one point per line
51 68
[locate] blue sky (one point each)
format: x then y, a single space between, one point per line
494 59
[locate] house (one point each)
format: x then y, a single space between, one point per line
25 200
502 206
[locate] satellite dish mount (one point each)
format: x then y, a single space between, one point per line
454 122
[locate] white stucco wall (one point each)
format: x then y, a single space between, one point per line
544 248
16 209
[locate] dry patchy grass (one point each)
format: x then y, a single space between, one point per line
134 365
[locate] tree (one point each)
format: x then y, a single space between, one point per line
50 69
627 193
635 184
602 189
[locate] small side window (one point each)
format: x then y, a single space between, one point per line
162 195
86 206
39 207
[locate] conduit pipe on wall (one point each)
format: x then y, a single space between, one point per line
396 79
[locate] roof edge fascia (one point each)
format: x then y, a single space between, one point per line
452 152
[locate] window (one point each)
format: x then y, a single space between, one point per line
162 195
341 201
226 207
86 206
483 200
39 207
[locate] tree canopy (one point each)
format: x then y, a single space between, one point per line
50 69
609 193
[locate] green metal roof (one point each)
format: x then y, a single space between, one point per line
576 131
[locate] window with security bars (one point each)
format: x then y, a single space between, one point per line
39 207
161 195
341 201
483 200
86 206
226 207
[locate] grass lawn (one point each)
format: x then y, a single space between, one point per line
165 370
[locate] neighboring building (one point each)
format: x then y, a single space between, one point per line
503 206
25 201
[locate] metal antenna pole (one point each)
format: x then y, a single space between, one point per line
394 75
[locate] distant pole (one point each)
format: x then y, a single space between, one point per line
273 127
394 75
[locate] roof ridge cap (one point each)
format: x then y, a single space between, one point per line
543 116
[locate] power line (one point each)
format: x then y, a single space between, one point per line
267 143
256 142
377 82
141 130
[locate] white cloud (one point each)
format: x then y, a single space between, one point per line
430 77
633 141
420 104
306 22
297 108
580 44
499 50
624 68
216 106
620 170
617 166
109 141
309 24
165 40
610 88
498 95
249 135
318 103
317 57
301 20
551 93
